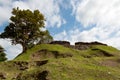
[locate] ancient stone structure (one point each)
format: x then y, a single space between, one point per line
64 43
91 43
78 45
86 45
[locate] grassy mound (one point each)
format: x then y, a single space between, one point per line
56 62
49 49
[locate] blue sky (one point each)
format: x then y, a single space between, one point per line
71 20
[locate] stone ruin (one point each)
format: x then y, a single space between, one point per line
64 43
86 45
91 43
78 45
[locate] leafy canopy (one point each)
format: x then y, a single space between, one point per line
26 28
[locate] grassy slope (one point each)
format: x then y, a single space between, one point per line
50 47
78 67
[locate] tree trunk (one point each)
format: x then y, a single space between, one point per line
24 48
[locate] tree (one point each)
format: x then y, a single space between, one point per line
2 55
25 28
46 38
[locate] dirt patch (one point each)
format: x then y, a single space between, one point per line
42 75
44 54
101 53
2 75
21 65
112 63
39 63
34 76
118 60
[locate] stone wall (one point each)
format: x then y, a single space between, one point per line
91 43
64 43
78 45
86 45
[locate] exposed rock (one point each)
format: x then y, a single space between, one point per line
22 65
2 75
82 47
102 53
17 76
38 75
40 63
86 45
42 75
64 43
44 53
78 45
61 55
92 43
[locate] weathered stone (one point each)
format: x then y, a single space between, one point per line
91 43
78 45
86 45
64 43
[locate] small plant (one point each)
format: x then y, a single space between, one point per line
2 55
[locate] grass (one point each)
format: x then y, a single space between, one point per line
59 48
83 65
62 69
108 49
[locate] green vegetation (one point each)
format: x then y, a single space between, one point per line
101 50
109 49
40 61
2 54
50 47
26 28
70 64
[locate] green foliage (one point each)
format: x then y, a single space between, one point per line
109 49
26 56
76 67
26 27
2 55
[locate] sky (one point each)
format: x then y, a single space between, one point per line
70 20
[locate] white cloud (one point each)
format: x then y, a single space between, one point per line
50 8
55 21
74 4
99 12
61 36
4 3
100 20
75 35
94 34
102 17
11 50
5 11
21 4
113 42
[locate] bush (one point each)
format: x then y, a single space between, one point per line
2 55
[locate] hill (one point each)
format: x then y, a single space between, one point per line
63 62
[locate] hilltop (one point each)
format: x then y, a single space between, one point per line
61 61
